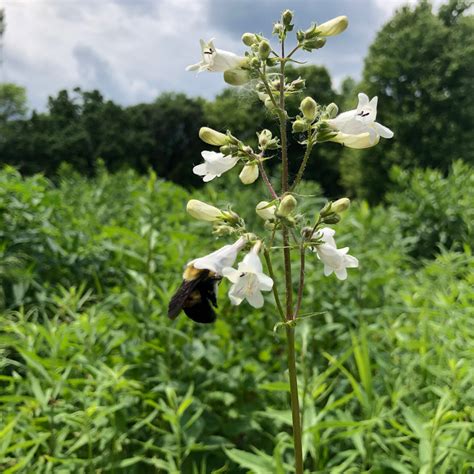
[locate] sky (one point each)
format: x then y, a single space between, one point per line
133 50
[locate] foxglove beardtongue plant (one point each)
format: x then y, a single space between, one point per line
263 70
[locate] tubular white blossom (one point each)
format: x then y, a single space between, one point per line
333 27
216 60
357 128
249 174
203 211
215 164
334 259
265 211
220 259
248 280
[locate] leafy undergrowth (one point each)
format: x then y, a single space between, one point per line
95 378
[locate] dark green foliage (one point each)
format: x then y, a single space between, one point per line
83 127
94 377
421 67
441 209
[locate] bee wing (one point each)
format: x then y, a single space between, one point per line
182 294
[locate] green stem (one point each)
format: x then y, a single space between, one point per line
295 406
271 273
307 154
290 332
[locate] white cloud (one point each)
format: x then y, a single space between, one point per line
134 49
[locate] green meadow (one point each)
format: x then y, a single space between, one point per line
95 378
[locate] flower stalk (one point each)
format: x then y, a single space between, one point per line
280 218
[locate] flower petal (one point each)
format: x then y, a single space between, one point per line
231 274
255 299
265 282
341 273
383 131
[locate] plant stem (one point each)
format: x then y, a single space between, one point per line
295 406
307 154
271 273
290 331
265 178
301 285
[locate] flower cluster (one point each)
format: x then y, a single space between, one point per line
314 124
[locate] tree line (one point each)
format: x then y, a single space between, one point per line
420 65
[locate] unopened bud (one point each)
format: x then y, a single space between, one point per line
249 173
249 39
307 233
278 29
264 137
264 49
309 108
236 77
340 205
202 211
333 27
326 210
313 43
228 150
269 103
213 137
287 17
332 219
298 84
299 126
331 110
265 210
254 62
287 206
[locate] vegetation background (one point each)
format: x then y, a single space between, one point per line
93 237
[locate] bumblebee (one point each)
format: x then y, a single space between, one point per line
196 296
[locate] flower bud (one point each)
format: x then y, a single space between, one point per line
265 210
228 150
264 49
309 108
254 62
332 219
307 233
236 77
326 210
331 110
249 173
313 43
287 17
264 137
202 211
249 39
298 84
278 29
333 27
213 137
299 126
340 205
269 103
287 206
271 62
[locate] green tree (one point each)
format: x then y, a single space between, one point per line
421 67
12 101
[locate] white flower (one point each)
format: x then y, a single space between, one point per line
357 128
215 164
334 259
249 174
265 211
333 27
248 281
216 60
220 259
203 211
